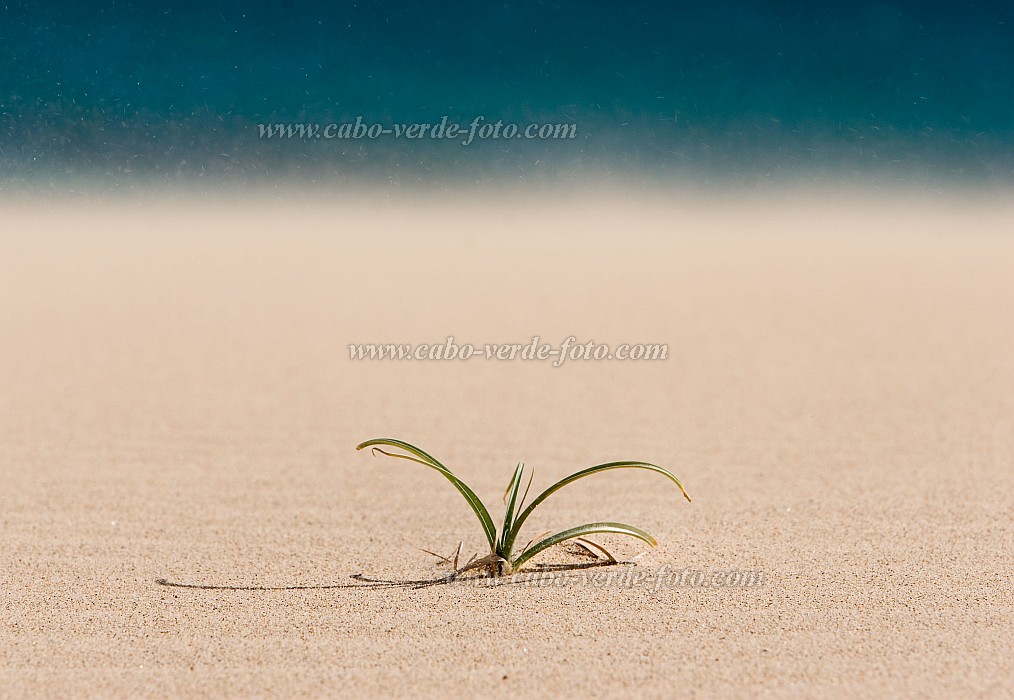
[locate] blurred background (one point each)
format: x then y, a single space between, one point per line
124 93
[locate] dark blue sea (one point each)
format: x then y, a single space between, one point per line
119 92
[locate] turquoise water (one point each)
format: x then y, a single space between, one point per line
736 90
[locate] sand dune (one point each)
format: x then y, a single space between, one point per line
177 400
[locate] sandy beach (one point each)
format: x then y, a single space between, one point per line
178 402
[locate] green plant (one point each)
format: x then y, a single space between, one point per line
502 559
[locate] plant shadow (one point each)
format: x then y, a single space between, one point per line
365 582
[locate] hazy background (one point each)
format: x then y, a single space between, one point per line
748 92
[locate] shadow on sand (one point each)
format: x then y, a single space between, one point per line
535 574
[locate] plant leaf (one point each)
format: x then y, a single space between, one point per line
426 460
521 504
510 499
580 531
595 549
520 520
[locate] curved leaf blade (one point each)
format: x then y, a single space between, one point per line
519 521
426 460
402 445
580 531
510 499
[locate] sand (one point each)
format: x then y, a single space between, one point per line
177 401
